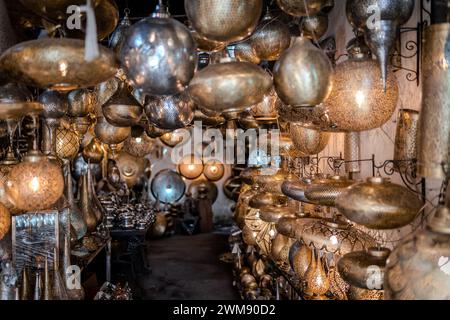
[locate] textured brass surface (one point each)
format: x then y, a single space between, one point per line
109 134
308 141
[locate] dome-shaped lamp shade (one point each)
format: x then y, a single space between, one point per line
214 170
5 221
358 101
190 167
35 184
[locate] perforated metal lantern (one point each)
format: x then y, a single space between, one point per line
167 186
67 143
224 20
170 112
308 141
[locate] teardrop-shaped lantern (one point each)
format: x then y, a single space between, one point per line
122 109
159 55
303 75
229 86
170 112
271 38
224 20
57 64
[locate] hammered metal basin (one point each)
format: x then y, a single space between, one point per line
109 134
230 86
224 20
170 112
57 64
159 56
379 204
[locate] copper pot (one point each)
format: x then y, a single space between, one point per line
364 269
224 20
300 62
271 38
81 103
230 86
244 52
434 131
131 168
110 134
314 27
57 64
325 191
170 112
379 204
302 8
308 141
122 109
406 135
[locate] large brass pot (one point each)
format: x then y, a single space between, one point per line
57 64
434 128
159 56
379 204
131 168
302 8
224 20
308 141
303 75
271 38
364 269
325 191
109 134
170 112
122 109
418 268
230 86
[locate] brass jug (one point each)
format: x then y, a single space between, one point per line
317 283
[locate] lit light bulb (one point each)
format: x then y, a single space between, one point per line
360 97
334 240
63 66
34 184
191 167
214 169
138 140
272 233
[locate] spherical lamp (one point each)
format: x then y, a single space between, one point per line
214 170
190 167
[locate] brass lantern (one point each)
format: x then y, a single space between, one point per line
190 167
67 143
139 146
36 183
308 141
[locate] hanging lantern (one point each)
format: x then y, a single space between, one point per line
419 268
405 148
109 134
379 204
303 75
302 8
173 138
57 64
271 38
139 146
122 109
358 101
352 152
201 187
81 103
55 104
35 184
67 143
434 132
143 62
190 167
168 186
131 168
118 36
308 141
224 20
230 86
314 27
214 170
244 52
170 112
5 221
5 167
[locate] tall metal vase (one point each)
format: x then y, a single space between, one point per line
434 133
87 210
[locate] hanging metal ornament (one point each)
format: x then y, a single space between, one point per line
364 269
104 91
358 100
109 134
122 109
418 268
224 20
159 55
170 112
302 8
167 186
214 170
139 146
244 52
229 86
173 138
271 38
325 191
352 152
303 75
308 141
381 32
267 109
131 168
379 204
314 27
57 64
202 186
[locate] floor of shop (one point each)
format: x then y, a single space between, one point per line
188 268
